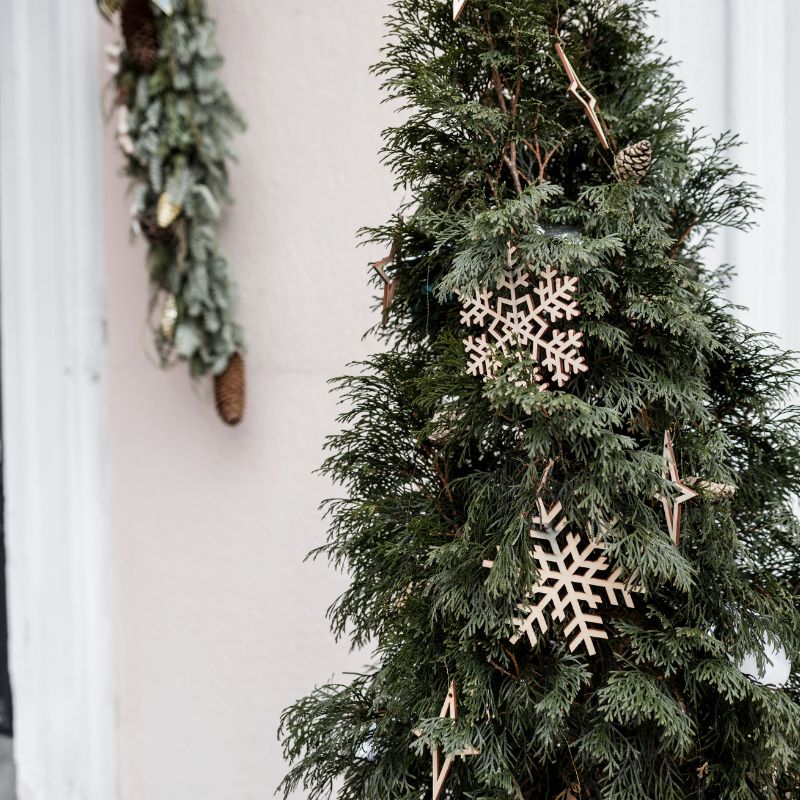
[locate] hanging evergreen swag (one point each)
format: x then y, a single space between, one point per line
175 124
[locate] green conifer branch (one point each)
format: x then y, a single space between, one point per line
440 471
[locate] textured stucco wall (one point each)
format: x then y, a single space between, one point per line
219 624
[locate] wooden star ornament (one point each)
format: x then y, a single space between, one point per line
458 7
583 96
389 284
672 505
441 766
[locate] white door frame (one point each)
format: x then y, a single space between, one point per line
55 456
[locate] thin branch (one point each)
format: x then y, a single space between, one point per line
511 163
513 658
681 240
499 90
500 669
545 475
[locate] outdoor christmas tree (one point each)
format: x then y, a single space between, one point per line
568 483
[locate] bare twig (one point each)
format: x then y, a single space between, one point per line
545 475
681 240
513 659
499 90
511 163
716 491
500 669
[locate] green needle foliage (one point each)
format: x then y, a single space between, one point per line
442 470
181 120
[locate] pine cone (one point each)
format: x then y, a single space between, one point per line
141 36
153 232
167 210
229 391
633 162
169 317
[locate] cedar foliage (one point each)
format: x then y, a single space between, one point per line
442 470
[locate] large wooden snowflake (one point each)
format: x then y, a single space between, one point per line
517 319
575 579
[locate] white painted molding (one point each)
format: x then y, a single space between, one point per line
790 291
755 84
54 446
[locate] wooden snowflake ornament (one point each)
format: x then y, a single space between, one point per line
575 579
672 505
441 767
517 319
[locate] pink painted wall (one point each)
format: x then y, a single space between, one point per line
219 624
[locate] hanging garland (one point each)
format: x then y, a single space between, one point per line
175 121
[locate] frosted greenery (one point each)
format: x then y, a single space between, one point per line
181 123
440 470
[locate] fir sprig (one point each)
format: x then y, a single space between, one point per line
181 121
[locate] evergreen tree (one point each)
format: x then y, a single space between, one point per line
444 470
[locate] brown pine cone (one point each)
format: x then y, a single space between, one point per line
153 232
229 391
633 162
140 34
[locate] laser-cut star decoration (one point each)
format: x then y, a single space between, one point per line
583 96
458 7
672 505
389 284
441 768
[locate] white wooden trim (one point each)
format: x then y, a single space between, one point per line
791 109
54 444
755 83
696 36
